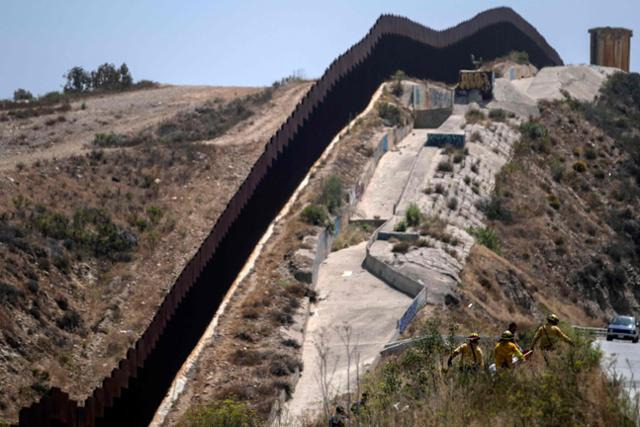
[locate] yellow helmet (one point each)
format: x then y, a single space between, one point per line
553 319
473 336
506 336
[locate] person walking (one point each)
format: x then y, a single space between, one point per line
513 327
547 335
506 350
471 357
339 419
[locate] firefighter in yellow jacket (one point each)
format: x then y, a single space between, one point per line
505 351
471 357
548 334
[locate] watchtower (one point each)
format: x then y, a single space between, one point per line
611 47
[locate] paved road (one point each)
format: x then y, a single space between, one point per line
623 358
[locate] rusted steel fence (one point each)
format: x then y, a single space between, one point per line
136 386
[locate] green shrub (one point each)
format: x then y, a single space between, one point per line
223 413
396 88
105 140
519 56
580 166
331 194
445 166
495 209
453 203
486 236
315 215
70 321
401 247
497 114
401 226
533 130
9 295
554 201
413 215
52 97
474 116
90 231
22 95
390 114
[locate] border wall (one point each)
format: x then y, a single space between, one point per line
137 385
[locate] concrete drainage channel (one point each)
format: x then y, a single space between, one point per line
137 386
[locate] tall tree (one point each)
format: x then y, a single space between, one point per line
125 77
78 80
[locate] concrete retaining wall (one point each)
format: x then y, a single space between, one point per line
390 276
431 119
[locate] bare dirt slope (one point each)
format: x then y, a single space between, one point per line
90 243
66 133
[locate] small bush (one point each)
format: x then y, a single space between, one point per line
227 413
486 236
331 194
554 201
401 247
315 215
445 166
9 295
453 203
390 114
474 116
22 95
413 215
497 115
401 226
70 321
475 137
396 88
533 130
440 189
458 157
424 243
580 166
519 56
495 209
105 140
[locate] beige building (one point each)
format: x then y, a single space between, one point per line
611 47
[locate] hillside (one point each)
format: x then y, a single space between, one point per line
101 209
560 237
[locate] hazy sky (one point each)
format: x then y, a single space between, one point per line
224 42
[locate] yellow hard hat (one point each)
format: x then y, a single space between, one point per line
473 336
506 336
553 319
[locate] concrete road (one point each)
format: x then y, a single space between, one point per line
347 295
390 177
622 358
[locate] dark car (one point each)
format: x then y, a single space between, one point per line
624 328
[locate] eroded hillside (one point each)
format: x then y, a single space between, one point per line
91 242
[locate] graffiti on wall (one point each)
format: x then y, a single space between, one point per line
475 81
444 139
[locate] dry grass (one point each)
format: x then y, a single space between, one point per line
351 235
413 388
